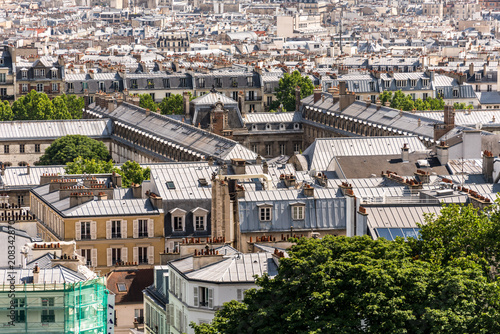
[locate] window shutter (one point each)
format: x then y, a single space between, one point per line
171 315
151 255
109 261
210 298
124 254
94 257
239 295
135 254
195 294
151 228
135 228
108 229
78 231
93 230
124 229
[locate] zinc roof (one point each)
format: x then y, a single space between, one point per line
279 117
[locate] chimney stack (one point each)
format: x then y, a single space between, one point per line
471 69
36 273
317 94
136 190
265 168
346 98
442 153
28 169
185 99
238 166
488 160
405 153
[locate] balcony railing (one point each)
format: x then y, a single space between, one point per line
255 98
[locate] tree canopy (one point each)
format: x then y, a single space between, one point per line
439 283
172 105
285 92
147 102
130 171
68 148
38 106
399 100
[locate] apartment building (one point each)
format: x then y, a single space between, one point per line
45 74
112 227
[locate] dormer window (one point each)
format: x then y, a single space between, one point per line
401 83
282 126
455 92
296 126
478 76
268 126
200 219
265 211
40 72
254 127
178 219
413 83
24 73
1 61
387 83
54 73
298 210
425 82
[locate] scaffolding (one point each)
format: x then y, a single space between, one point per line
55 308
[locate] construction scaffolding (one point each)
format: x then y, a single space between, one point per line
54 308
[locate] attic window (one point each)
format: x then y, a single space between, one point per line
121 287
254 127
425 82
455 93
268 126
170 185
282 126
295 126
356 85
478 76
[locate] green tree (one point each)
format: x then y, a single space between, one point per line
6 113
285 92
33 106
60 108
147 102
436 104
385 96
172 105
68 148
132 172
398 100
441 282
75 105
89 166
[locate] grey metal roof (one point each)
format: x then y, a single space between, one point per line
486 117
186 136
279 117
58 274
212 98
406 216
17 177
233 269
24 130
323 150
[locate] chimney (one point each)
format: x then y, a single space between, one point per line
488 160
238 166
28 169
297 98
223 169
317 94
201 259
442 153
241 102
471 69
210 161
265 168
155 199
36 273
449 116
185 99
258 160
404 153
77 198
308 190
148 112
102 196
419 123
116 179
346 98
136 190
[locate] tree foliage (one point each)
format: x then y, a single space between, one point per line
68 148
38 106
147 102
462 106
6 113
399 100
285 92
172 105
130 171
442 282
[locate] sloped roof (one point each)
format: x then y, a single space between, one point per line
212 98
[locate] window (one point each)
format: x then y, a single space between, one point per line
20 200
133 83
39 87
142 253
55 87
6 149
413 96
268 149
85 86
24 88
201 82
37 148
3 91
372 86
183 82
478 88
116 85
401 83
21 148
254 148
87 254
48 314
425 82
152 95
85 230
269 100
116 255
235 95
116 229
439 93
70 87
413 82
424 96
54 73
170 185
478 76
178 223
139 315
151 84
102 86
218 82
298 212
251 107
455 93
24 74
40 72
265 214
250 81
489 88
296 147
166 83
234 82
143 228
203 297
387 83
199 223
251 95
19 312
2 77
240 293
121 287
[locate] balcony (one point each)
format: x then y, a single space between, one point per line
254 98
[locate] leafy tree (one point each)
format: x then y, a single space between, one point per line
385 96
443 282
172 105
285 92
68 148
89 166
6 113
33 106
75 105
399 100
132 172
435 104
60 108
147 102
462 106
